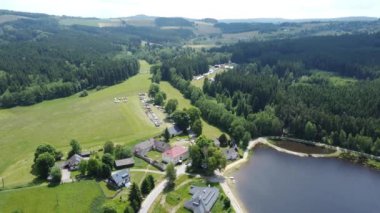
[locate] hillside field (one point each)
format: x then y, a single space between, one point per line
91 120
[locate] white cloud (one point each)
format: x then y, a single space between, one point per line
200 8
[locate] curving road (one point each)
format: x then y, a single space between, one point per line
149 200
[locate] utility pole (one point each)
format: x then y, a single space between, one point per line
2 179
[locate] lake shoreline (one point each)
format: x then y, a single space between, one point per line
234 166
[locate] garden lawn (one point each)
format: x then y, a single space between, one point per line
84 196
91 120
172 93
175 199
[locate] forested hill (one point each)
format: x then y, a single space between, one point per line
42 59
278 89
348 55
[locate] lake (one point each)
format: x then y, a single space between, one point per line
272 181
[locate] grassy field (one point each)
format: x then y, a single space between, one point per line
84 196
91 120
329 77
171 92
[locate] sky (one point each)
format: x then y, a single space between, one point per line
220 9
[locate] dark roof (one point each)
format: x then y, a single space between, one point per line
74 160
143 146
120 177
231 154
161 146
203 199
175 130
85 153
124 162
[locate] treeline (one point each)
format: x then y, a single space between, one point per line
21 89
348 55
185 65
341 115
247 27
215 113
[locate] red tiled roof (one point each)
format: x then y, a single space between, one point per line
175 151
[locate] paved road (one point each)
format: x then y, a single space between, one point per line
149 200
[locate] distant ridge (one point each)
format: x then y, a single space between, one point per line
209 19
282 20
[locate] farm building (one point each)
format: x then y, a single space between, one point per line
174 131
85 154
73 162
175 155
124 163
119 178
151 144
203 199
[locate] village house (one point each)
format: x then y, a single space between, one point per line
85 154
73 162
203 199
151 144
120 179
124 163
175 155
174 131
231 154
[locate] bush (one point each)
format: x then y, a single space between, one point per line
56 175
84 93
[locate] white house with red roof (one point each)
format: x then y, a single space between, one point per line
175 155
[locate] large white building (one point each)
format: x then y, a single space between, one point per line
175 155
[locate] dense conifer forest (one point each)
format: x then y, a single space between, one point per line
41 59
290 87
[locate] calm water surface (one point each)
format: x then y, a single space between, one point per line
277 182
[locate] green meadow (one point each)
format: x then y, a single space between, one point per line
84 196
91 120
171 92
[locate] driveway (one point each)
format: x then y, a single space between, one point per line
149 200
66 176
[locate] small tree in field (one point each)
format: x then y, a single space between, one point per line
171 106
43 164
135 197
150 179
197 127
83 167
108 159
145 189
75 148
56 175
166 135
109 147
170 176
